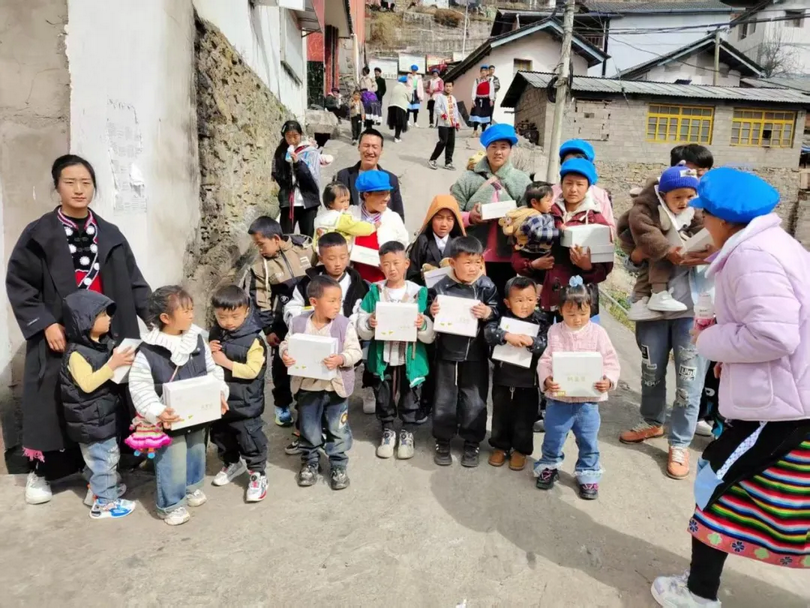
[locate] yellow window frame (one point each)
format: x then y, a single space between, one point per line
672 123
755 128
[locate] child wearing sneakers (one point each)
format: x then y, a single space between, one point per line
515 392
92 402
576 333
335 216
462 364
323 405
399 368
238 348
174 349
651 231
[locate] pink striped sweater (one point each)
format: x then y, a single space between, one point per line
590 339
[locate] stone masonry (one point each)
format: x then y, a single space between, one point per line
239 121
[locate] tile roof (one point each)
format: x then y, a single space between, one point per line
693 6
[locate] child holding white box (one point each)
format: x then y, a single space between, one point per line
172 350
576 334
323 405
399 367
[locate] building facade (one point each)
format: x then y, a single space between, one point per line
775 34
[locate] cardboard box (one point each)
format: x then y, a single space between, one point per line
602 254
396 322
520 356
456 317
121 375
434 276
309 353
590 235
698 242
196 400
576 373
493 211
365 255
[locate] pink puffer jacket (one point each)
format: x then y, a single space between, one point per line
762 335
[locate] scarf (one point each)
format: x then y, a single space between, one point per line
181 347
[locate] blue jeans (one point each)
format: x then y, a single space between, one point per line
584 420
179 469
102 459
319 412
657 339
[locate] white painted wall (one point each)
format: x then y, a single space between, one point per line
540 48
699 68
629 50
259 34
795 41
141 55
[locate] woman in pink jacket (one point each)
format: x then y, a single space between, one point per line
753 485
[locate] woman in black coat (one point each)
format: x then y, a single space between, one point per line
67 249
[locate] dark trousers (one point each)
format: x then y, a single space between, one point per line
447 142
282 395
415 115
706 569
357 126
514 411
245 438
305 218
396 398
319 413
431 104
461 400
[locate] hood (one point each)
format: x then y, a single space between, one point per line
444 201
648 197
757 225
82 308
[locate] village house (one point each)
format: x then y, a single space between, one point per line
343 20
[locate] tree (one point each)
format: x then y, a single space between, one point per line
775 56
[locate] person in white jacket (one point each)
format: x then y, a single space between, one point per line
448 121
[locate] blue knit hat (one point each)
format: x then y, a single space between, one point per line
735 196
572 146
414 68
403 79
499 132
679 176
373 181
582 167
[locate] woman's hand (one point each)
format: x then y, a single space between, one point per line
543 263
475 215
55 336
696 258
581 257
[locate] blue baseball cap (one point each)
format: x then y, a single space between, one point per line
373 181
578 145
499 132
735 196
414 68
581 167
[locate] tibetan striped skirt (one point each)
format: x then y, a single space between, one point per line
765 517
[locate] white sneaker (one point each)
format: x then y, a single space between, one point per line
672 592
37 490
397 140
113 510
90 498
196 499
257 488
432 164
386 447
664 302
369 400
639 311
229 473
405 449
176 517
703 428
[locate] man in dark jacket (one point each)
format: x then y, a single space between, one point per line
371 147
378 78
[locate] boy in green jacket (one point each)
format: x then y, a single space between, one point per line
399 368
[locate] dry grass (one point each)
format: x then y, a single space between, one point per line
384 28
448 18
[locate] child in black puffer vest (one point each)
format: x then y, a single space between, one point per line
237 346
92 402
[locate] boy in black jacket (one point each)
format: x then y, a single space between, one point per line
515 392
462 364
237 347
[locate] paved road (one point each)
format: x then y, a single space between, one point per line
404 533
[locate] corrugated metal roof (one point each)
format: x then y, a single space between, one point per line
657 7
585 84
798 83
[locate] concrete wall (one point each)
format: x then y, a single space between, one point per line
34 105
698 68
259 34
794 42
419 33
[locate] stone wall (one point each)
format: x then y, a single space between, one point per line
239 124
419 33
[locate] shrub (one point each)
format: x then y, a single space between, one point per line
448 18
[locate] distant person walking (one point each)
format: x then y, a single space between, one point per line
434 89
417 93
398 108
371 104
483 95
381 86
448 121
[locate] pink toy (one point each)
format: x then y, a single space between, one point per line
146 437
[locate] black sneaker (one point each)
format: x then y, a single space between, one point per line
589 491
547 479
294 448
470 457
422 417
308 475
340 480
442 456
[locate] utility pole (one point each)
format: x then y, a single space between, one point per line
716 74
553 173
464 39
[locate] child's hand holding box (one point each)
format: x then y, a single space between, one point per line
396 321
513 353
576 374
456 316
307 356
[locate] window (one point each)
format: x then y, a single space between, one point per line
522 65
794 18
746 29
688 124
762 128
